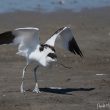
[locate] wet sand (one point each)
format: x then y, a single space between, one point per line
81 89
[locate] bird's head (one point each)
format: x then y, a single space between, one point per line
48 54
51 57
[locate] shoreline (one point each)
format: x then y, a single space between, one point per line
84 10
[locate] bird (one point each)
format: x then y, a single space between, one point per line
29 46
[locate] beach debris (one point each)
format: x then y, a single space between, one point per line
101 74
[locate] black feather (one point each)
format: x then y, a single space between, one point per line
45 46
59 30
73 47
6 37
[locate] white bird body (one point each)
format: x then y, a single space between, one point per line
29 46
41 57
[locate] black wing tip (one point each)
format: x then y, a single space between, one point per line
78 52
6 37
74 48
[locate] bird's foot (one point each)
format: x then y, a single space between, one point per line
23 91
36 90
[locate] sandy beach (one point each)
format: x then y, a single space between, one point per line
82 87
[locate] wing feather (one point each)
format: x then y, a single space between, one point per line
6 38
27 39
64 38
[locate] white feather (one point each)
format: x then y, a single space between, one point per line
27 40
52 40
61 38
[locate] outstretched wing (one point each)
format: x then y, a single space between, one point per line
27 39
64 38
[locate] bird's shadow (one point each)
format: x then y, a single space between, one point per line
64 90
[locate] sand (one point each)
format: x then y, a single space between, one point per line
83 87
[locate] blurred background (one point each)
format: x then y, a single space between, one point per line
50 5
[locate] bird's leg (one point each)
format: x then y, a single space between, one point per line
36 89
24 70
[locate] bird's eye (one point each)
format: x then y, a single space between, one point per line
52 55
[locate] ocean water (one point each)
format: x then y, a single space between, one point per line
50 5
